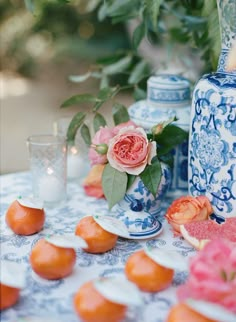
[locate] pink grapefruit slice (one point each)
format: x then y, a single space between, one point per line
201 232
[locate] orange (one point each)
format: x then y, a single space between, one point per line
181 313
147 274
91 306
24 220
98 239
52 262
9 296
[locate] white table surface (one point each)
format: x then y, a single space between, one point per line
54 299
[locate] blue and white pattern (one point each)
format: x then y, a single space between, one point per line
212 141
54 299
168 96
139 210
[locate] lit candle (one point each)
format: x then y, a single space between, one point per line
51 189
74 163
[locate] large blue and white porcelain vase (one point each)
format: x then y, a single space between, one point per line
212 141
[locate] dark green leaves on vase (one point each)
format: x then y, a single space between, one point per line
114 185
151 176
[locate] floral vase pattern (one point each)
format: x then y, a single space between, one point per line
140 210
212 141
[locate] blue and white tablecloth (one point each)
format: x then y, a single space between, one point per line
47 300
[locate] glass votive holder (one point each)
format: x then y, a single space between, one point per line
48 159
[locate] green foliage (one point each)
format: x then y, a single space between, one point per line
114 185
119 113
98 121
85 133
170 137
75 123
151 176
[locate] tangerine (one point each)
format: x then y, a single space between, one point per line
9 296
50 261
98 239
91 306
181 312
24 220
147 274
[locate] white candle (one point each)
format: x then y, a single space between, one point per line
74 163
51 189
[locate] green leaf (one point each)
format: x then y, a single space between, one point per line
170 137
29 5
98 121
75 123
79 78
102 11
131 179
138 35
120 113
104 82
114 185
139 94
77 99
167 159
122 7
85 133
151 176
103 95
117 67
110 59
140 71
153 8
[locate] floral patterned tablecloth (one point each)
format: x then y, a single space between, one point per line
54 299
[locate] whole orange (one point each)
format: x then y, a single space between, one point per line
24 220
98 239
50 261
147 274
91 306
181 313
9 296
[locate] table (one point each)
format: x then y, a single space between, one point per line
53 299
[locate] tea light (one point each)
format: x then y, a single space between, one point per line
74 163
50 188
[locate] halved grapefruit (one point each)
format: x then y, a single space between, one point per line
201 232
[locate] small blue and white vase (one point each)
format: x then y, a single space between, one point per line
140 210
212 141
168 96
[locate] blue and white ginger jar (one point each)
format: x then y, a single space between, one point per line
212 141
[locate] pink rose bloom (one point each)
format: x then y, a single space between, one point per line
117 128
130 151
212 275
102 136
186 209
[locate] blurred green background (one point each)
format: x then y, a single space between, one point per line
45 47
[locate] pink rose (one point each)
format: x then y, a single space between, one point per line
117 128
93 182
130 151
212 275
102 136
186 209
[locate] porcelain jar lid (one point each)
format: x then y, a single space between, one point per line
166 90
167 96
